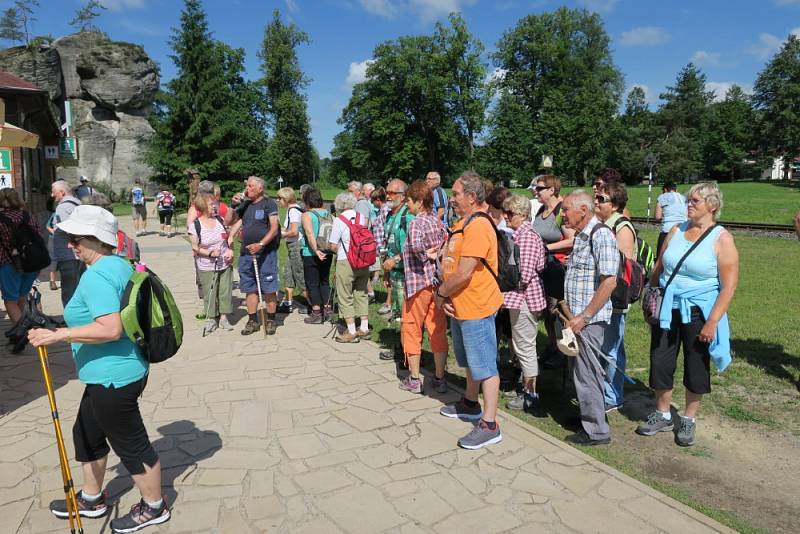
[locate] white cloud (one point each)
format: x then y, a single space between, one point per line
645 36
291 5
431 10
119 5
496 75
382 8
649 97
599 6
720 89
706 59
357 72
795 32
767 45
426 10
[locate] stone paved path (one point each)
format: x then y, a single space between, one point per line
300 434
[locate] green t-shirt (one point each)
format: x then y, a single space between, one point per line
99 293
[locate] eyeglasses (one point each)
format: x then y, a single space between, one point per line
509 213
598 184
695 201
395 193
75 239
602 199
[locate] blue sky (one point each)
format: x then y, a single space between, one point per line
730 40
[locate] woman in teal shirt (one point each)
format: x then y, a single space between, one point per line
115 374
316 262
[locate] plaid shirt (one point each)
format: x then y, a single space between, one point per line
584 271
531 263
377 227
424 232
6 230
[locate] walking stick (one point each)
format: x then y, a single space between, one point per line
260 297
66 475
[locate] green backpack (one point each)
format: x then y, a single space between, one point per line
150 317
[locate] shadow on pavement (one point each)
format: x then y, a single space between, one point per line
180 448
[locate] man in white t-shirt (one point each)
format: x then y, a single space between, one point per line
293 278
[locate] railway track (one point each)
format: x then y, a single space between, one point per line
751 227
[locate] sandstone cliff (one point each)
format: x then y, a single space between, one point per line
111 86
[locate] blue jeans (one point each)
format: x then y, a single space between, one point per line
475 345
614 348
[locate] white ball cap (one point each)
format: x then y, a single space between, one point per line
92 221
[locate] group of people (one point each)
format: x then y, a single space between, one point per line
165 207
570 250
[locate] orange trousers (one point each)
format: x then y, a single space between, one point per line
420 311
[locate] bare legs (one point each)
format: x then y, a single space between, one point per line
148 483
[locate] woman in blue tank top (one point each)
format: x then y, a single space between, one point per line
316 263
694 310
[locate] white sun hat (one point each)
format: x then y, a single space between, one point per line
568 345
92 221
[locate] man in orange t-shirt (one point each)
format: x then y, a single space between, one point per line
471 297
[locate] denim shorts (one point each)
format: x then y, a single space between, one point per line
268 271
475 345
13 284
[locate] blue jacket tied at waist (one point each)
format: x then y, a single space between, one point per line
703 295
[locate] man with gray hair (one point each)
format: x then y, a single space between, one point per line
590 280
440 203
69 267
258 220
470 296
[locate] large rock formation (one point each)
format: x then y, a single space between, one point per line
111 86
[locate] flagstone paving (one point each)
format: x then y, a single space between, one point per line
296 433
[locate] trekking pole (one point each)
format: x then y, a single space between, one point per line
66 475
260 297
211 293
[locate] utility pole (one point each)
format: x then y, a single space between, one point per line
650 161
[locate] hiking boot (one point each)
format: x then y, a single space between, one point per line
612 407
225 324
328 311
440 385
582 438
314 318
363 333
285 307
655 423
251 327
414 385
462 411
517 403
86 508
210 326
271 327
685 435
141 516
347 337
385 309
481 436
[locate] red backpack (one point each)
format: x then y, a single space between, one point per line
363 250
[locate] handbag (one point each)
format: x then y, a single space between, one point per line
654 296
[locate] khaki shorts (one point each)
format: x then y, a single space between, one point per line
139 212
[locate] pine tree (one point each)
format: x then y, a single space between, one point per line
291 155
680 150
84 16
10 29
776 96
728 128
208 117
635 133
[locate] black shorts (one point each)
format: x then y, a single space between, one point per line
165 217
108 415
664 345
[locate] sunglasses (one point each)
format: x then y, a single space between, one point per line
602 199
542 187
508 213
598 184
75 239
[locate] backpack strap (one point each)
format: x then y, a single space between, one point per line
494 227
597 227
71 202
691 249
198 230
